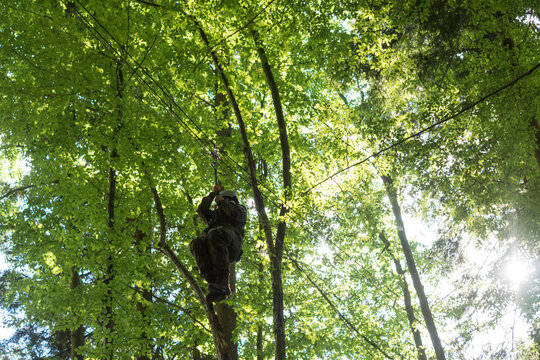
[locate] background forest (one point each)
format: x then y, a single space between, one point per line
388 153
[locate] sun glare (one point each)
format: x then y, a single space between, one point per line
517 271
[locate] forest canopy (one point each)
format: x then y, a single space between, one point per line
388 153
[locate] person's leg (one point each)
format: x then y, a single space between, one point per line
199 249
219 240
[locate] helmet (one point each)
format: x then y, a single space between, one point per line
228 193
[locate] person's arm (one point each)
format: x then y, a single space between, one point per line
204 210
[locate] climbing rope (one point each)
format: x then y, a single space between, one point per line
215 160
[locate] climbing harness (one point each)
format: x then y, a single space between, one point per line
215 157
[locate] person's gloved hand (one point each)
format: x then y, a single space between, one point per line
216 189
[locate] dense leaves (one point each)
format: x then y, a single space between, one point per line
100 100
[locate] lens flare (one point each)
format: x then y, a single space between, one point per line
517 271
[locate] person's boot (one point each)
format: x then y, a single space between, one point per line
219 290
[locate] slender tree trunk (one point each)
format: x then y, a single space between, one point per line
408 303
227 316
261 296
260 355
537 131
424 305
142 305
77 336
109 276
276 259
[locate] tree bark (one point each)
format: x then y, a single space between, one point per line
537 148
408 303
424 305
227 316
276 259
260 355
108 348
142 306
260 329
77 335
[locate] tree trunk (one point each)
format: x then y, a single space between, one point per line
260 355
424 305
227 317
276 259
108 347
260 317
537 131
77 336
142 306
408 303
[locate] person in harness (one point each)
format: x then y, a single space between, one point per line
221 242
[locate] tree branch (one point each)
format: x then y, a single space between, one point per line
216 328
16 190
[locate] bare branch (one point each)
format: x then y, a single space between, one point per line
16 190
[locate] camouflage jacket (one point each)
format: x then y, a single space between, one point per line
227 213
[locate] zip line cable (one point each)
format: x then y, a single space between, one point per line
165 92
119 58
448 118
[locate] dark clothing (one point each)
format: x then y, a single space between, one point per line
228 214
221 242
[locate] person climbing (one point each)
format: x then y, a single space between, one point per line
221 241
